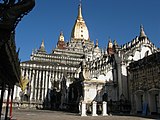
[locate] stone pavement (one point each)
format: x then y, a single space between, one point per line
24 114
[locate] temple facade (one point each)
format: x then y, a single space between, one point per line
144 84
79 70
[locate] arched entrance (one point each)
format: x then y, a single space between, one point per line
139 100
154 101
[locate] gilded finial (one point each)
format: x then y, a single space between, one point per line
80 2
80 11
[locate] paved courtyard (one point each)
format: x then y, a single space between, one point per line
23 114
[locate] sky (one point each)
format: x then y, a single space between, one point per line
119 20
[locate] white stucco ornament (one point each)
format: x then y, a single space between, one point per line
86 74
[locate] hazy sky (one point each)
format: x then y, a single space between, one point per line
117 19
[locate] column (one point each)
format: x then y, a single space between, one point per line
43 86
36 87
27 73
104 112
83 108
5 95
80 107
159 104
33 85
46 88
16 98
48 80
15 95
22 71
11 102
7 107
29 84
119 78
1 100
39 85
94 108
55 75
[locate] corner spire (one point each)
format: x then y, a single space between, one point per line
96 43
61 37
61 43
142 33
42 48
110 47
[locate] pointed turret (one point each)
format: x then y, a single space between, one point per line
61 43
115 46
96 43
142 33
110 45
61 37
42 48
97 51
110 48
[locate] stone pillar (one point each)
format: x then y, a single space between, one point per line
22 70
80 107
119 70
16 94
46 88
43 86
27 73
104 113
94 108
5 95
26 76
49 80
31 85
55 75
83 108
36 87
30 74
39 85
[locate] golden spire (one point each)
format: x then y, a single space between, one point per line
80 30
80 11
